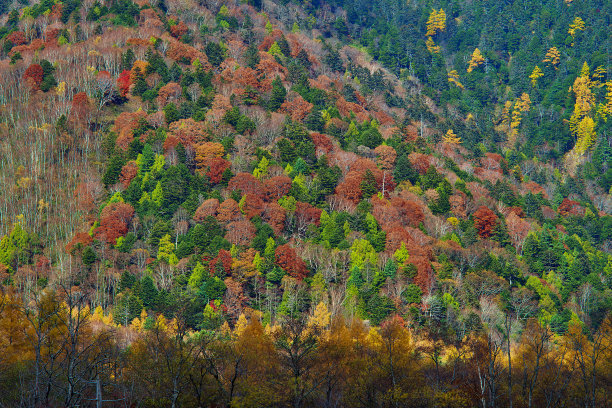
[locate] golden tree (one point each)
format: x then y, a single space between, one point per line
585 133
431 46
577 25
598 75
553 56
608 106
535 75
476 61
514 117
436 22
453 78
451 138
581 124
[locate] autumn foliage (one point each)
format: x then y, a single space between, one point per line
287 258
114 222
33 76
485 221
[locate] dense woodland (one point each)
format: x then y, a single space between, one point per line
284 203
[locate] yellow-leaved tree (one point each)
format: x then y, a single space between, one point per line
476 60
553 56
585 133
581 129
535 75
453 78
431 46
436 23
608 105
451 138
512 115
577 25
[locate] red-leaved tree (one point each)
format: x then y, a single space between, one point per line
124 82
290 262
114 222
276 187
33 76
485 221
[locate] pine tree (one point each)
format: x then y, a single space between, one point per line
368 184
279 93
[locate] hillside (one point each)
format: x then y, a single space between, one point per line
364 203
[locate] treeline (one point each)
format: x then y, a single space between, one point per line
57 352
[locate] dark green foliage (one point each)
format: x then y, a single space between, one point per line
160 229
203 235
412 294
215 53
127 281
252 56
15 57
275 275
212 288
333 60
287 150
113 169
147 292
368 184
245 125
127 307
302 143
442 204
284 46
370 137
127 59
315 121
232 116
431 179
88 256
48 81
379 308
171 113
157 65
279 93
404 170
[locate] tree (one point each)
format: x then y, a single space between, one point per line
240 232
576 25
368 184
436 22
553 56
535 75
453 78
585 134
404 170
278 95
518 230
114 221
33 76
124 83
296 345
451 138
290 262
476 60
215 53
485 221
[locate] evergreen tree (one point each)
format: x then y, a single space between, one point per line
279 93
368 184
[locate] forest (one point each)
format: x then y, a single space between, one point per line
215 203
